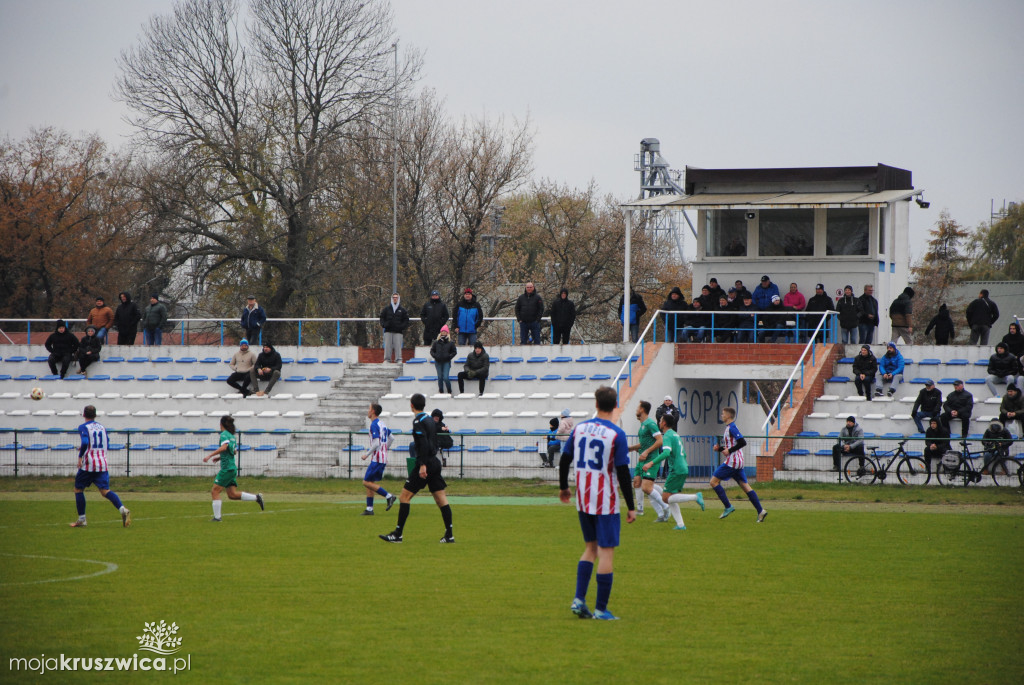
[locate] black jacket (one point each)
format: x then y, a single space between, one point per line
1002 365
424 437
269 360
928 400
868 305
982 312
865 365
939 436
673 321
89 347
943 325
61 344
478 364
849 310
563 311
394 320
443 350
961 401
996 440
1014 343
529 307
127 316
434 315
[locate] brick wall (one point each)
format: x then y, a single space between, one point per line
738 353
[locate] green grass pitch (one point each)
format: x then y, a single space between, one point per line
305 592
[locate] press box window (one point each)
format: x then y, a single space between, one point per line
726 233
786 232
847 232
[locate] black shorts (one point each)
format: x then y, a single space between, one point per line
434 482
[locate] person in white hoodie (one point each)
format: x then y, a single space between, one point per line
394 320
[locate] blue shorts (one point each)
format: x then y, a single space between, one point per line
84 479
604 528
724 472
374 472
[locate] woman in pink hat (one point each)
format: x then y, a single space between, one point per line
442 351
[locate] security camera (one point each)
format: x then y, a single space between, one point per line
751 215
922 204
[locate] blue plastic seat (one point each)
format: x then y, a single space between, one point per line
294 379
798 453
309 360
956 362
165 447
823 453
18 359
74 377
526 377
839 379
600 377
576 377
39 359
113 360
808 434
846 360
405 379
528 448
919 381
244 448
504 448
981 362
513 360
197 378
266 448
143 446
287 360
416 360
210 360
332 360
516 431
537 360
892 436
162 360
491 431
115 447
173 377
280 430
100 377
220 379
36 447
585 360
561 360
551 377
47 377
124 377
502 378
612 358
148 377
974 381
62 447
479 448
465 431
926 362
320 379
429 379
191 447
5 377
462 360
186 360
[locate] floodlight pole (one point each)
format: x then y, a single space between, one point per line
394 181
625 276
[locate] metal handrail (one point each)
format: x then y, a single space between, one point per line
792 374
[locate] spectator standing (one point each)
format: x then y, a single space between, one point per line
563 316
268 368
394 320
901 314
675 302
794 299
819 302
868 315
928 404
253 318
981 314
637 308
529 310
434 314
936 441
101 317
89 348
666 407
242 363
468 317
943 325
1003 369
850 444
959 405
63 347
849 310
1012 407
478 366
891 368
443 351
153 320
1014 340
126 320
764 293
865 368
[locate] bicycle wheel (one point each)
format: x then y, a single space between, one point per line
860 470
1004 472
948 475
913 471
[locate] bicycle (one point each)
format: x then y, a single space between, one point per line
959 466
865 470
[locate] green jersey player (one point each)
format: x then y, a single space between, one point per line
678 470
650 442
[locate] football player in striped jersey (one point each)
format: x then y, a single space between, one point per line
92 468
600 454
380 443
732 468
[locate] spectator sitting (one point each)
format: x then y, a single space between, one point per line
477 366
88 349
928 404
764 293
126 320
943 325
716 290
253 318
741 290
63 347
776 324
959 405
1014 340
850 444
995 442
1003 369
694 323
865 368
268 368
444 436
242 363
891 368
723 320
554 447
666 407
746 319
1011 408
936 442
101 317
565 425
794 299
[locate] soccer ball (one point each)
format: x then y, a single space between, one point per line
36 394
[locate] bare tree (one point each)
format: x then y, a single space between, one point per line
242 116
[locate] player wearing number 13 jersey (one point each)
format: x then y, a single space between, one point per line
600 454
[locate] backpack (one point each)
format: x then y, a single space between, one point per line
444 441
951 460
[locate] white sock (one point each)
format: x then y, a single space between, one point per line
659 504
248 497
216 508
123 509
676 514
679 497
638 497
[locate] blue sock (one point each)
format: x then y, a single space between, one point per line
114 499
369 502
383 493
604 591
80 503
720 491
755 501
583 571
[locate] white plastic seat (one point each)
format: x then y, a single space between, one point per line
453 415
217 413
232 396
294 414
403 414
564 396
477 415
515 395
208 396
440 396
10 396
109 396
133 396
872 417
855 398
579 414
554 414
901 417
502 415
490 396
268 414
193 414
60 395
819 415
19 412
307 396
83 396
44 412
282 396
144 413
828 398
589 395
527 414
393 396
183 396
68 412
159 396
169 413
540 395
244 414
116 413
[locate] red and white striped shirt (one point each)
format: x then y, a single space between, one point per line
597 446
94 446
381 434
729 440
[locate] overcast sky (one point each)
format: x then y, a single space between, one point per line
933 86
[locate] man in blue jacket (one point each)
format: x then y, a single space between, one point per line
764 293
468 317
253 318
890 366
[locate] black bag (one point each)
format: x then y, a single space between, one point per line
444 441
